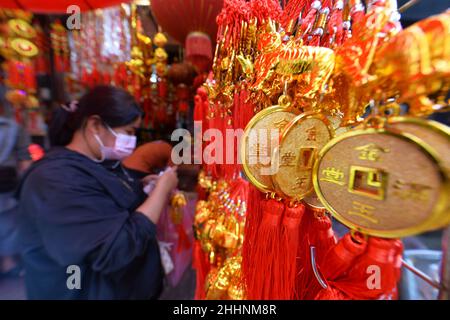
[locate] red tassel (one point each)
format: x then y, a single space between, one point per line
269 235
183 240
315 41
287 262
253 220
336 264
334 26
375 273
341 257
331 293
201 265
30 78
357 13
262 283
14 73
315 231
308 21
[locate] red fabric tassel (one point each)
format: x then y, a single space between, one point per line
341 257
357 13
14 73
29 78
183 240
261 278
315 231
252 222
201 265
334 27
315 41
375 273
267 253
308 21
287 262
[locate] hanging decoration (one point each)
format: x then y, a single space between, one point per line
60 47
17 46
309 71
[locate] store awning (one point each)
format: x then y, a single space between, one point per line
58 6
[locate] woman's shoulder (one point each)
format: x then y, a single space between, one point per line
64 166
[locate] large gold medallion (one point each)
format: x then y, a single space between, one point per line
382 183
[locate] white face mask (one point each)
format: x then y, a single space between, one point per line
123 146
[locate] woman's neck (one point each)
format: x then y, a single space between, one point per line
80 145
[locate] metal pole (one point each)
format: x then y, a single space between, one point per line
421 275
444 292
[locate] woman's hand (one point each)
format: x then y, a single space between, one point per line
157 199
169 179
151 178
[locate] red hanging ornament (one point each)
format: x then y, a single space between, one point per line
29 77
202 267
286 269
262 282
315 231
375 273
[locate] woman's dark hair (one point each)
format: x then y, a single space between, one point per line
113 105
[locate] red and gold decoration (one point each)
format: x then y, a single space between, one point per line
17 46
60 47
310 71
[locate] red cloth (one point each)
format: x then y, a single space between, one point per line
59 6
150 156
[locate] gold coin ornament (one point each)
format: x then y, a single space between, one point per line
435 134
260 138
21 28
24 47
299 147
382 183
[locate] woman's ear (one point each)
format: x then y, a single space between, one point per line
94 125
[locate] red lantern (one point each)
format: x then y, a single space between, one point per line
199 51
180 17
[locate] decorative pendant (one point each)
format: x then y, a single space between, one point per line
382 182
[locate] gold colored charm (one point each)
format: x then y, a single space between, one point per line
24 47
258 142
435 134
382 183
21 28
300 144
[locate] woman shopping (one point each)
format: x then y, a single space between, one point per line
86 233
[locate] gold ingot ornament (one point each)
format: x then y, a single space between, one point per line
259 140
382 182
299 147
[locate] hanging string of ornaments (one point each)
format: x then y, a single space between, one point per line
112 48
310 69
18 47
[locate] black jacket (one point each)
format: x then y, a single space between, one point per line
74 211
